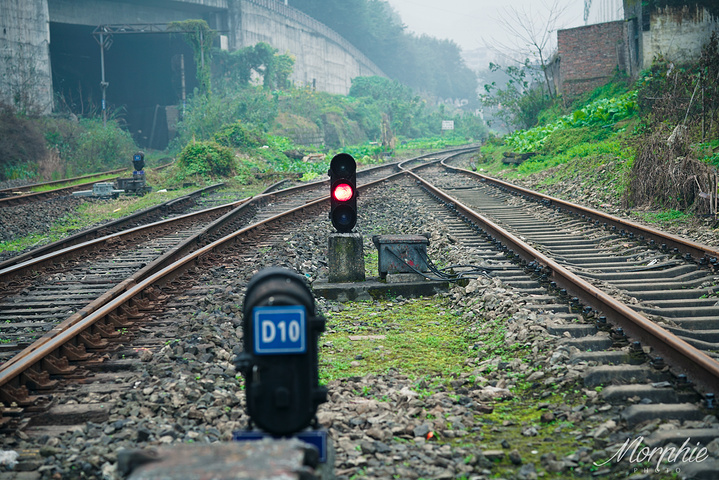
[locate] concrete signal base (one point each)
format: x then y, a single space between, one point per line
345 256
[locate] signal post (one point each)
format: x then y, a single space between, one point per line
345 253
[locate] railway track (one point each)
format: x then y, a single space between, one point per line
62 298
138 324
11 191
670 280
142 217
36 192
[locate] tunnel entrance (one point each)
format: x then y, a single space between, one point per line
144 75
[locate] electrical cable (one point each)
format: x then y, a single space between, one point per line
440 274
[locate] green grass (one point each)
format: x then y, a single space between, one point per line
90 213
101 178
430 343
664 217
421 337
371 259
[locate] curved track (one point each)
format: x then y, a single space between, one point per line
63 301
568 268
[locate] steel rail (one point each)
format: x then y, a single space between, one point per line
55 256
91 233
162 269
702 369
702 254
53 252
129 289
24 188
31 197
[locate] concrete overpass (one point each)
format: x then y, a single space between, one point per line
49 56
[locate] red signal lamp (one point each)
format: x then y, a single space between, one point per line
343 192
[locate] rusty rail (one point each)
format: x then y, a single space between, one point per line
76 331
701 368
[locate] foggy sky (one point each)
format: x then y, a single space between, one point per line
472 24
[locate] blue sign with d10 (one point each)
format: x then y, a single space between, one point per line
280 330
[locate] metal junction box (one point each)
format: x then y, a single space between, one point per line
401 253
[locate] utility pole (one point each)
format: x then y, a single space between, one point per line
105 41
182 73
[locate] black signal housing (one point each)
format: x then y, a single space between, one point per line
343 192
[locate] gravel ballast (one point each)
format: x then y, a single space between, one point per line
526 417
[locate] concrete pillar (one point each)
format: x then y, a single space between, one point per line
25 78
345 255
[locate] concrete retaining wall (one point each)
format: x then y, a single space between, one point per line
677 33
96 12
323 59
25 77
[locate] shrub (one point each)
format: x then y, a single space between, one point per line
208 114
205 159
86 146
600 113
21 145
239 135
101 147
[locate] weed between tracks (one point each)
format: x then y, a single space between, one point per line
101 178
417 337
434 344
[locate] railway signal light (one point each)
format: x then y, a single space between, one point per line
279 358
343 192
138 161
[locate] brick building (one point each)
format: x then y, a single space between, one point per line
589 56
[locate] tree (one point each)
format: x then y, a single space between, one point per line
532 37
375 28
199 36
235 68
521 100
402 106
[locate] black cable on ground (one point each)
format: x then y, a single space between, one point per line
440 274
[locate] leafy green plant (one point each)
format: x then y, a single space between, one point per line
309 176
234 69
200 37
240 135
205 159
206 115
101 147
601 113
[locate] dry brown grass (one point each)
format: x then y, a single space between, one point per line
22 144
50 166
666 174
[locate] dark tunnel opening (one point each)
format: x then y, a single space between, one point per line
144 75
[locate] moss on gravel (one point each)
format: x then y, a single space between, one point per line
416 337
433 343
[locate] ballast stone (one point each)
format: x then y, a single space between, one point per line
284 459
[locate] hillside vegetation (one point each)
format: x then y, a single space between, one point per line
242 124
650 144
422 62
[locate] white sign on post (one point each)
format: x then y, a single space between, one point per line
447 124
